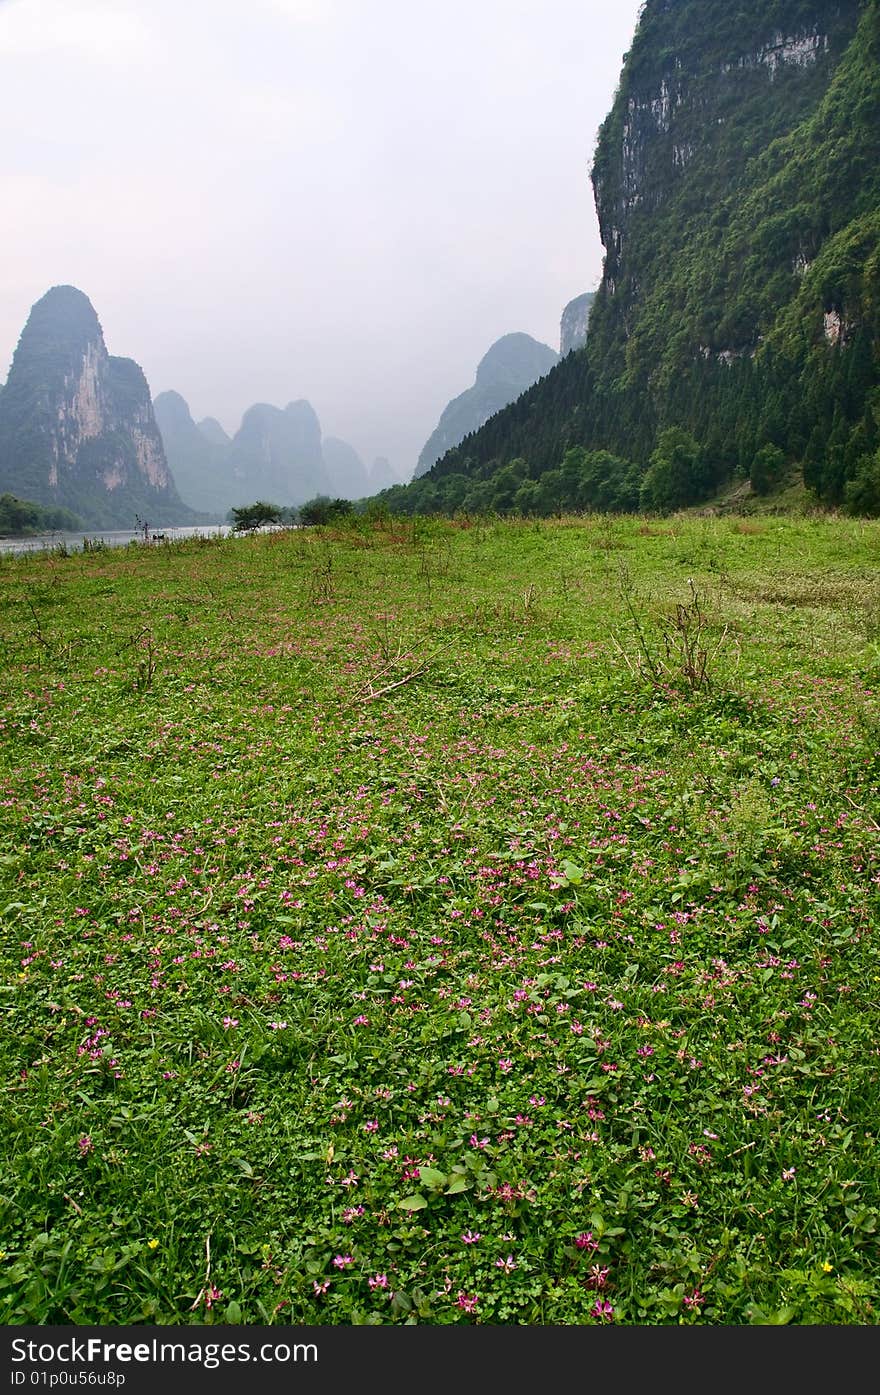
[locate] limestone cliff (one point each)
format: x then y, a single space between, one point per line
574 325
77 429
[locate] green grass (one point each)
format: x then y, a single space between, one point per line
397 928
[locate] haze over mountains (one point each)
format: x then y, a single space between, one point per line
78 431
278 455
510 366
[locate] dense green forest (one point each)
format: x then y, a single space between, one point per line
735 333
20 517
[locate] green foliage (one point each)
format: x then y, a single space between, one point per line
323 510
767 469
257 515
423 955
19 517
863 490
673 477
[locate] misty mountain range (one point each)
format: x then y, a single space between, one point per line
78 430
276 454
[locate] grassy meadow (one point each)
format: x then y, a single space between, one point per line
432 922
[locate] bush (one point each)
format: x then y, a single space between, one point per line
252 516
674 477
862 495
767 469
322 510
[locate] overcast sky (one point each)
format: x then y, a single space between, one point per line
342 200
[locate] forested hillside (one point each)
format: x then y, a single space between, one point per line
735 333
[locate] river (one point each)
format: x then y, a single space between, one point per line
75 542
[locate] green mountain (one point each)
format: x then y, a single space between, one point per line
77 429
736 328
512 364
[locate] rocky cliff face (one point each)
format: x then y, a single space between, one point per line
696 103
574 325
512 364
76 425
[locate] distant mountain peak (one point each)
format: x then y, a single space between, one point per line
346 470
277 454
211 428
512 364
517 359
171 405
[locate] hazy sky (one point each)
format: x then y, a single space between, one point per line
342 200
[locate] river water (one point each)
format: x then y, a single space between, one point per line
74 542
